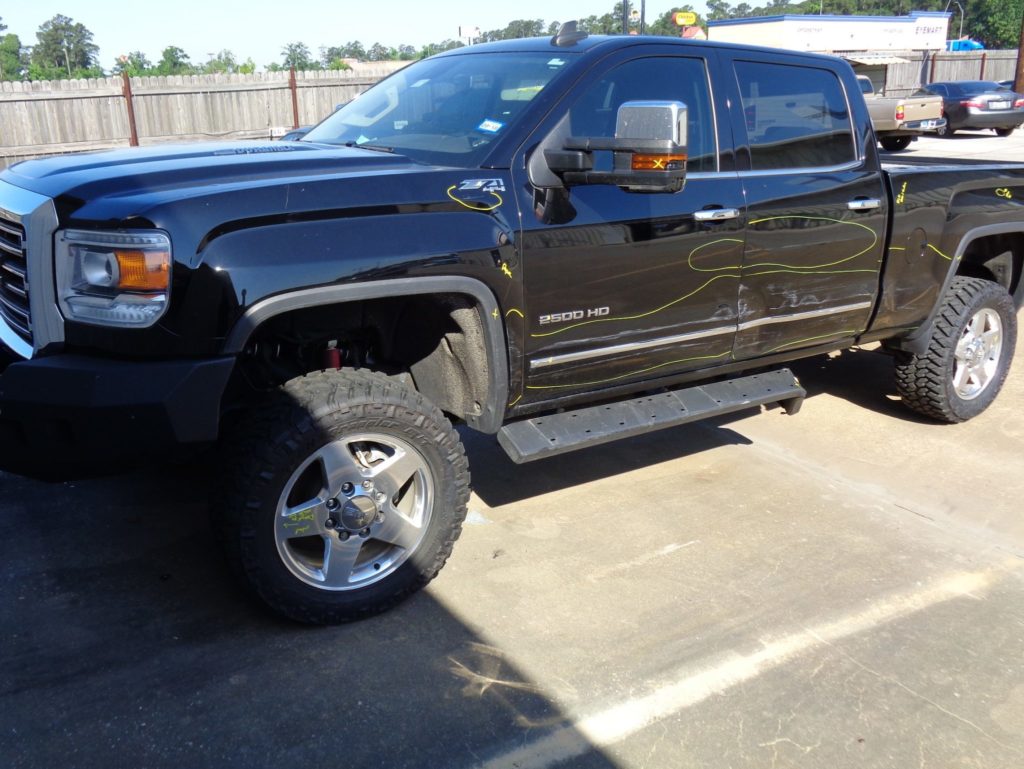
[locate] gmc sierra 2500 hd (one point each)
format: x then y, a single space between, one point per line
561 241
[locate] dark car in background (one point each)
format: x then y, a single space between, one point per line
296 133
978 104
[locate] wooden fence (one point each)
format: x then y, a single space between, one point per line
903 78
38 119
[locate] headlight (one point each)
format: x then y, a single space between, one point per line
113 278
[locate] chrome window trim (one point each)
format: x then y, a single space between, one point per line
853 165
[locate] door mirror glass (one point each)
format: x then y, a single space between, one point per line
648 150
607 121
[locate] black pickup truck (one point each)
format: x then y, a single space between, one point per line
561 241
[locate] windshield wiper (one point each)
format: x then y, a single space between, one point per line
374 147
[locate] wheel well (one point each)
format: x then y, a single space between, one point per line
436 341
999 258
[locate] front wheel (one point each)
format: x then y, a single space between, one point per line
1004 131
895 143
345 494
946 131
968 355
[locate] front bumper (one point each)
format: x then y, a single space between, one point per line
72 415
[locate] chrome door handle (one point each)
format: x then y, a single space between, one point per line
716 214
864 204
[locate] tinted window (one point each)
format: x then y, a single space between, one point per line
448 109
661 79
796 117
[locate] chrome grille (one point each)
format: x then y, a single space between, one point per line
14 304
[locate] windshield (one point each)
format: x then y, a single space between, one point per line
445 111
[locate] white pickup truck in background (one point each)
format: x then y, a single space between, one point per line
898 119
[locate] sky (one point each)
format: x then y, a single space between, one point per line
259 29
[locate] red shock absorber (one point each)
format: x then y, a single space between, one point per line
332 356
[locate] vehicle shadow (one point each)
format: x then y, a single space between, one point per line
863 377
497 480
126 643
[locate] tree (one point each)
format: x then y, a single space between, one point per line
995 23
134 63
174 61
445 45
223 63
299 56
380 52
719 9
351 50
514 30
64 49
13 60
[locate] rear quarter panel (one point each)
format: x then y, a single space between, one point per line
936 213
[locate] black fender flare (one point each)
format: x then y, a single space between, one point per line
917 341
492 412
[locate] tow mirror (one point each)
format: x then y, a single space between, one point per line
648 151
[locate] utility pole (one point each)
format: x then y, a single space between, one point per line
1018 83
625 17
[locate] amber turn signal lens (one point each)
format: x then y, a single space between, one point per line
143 270
658 162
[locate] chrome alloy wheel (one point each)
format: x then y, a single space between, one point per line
354 511
976 357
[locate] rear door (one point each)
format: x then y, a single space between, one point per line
816 206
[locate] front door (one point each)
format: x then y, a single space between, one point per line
626 286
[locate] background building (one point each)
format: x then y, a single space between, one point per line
898 53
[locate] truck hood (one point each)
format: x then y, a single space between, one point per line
199 190
190 168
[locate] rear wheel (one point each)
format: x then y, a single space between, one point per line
895 143
345 494
945 131
968 354
1004 131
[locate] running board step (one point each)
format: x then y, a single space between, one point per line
559 433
